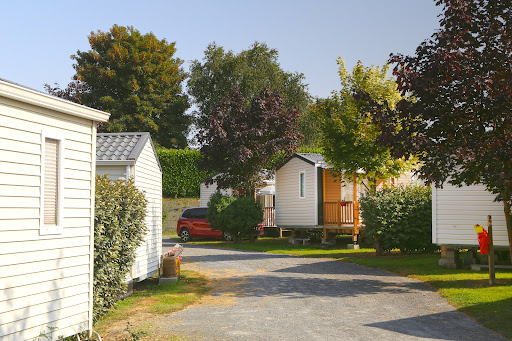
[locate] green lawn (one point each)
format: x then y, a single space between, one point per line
467 290
144 309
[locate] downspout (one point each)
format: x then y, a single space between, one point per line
91 236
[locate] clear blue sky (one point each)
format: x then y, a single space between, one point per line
38 37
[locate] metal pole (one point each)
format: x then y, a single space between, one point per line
492 275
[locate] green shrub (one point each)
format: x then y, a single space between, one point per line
237 216
181 176
399 218
119 228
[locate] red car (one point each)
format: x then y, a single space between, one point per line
193 223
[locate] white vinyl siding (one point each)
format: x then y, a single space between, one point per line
45 278
290 209
114 172
456 210
206 191
148 177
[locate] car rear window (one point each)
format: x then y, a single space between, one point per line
197 213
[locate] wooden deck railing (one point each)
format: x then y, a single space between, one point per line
269 216
338 213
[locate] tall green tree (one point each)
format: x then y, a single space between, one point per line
136 78
348 133
251 71
461 122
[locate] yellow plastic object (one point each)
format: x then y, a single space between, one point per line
479 229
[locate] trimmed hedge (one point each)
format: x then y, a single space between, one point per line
181 176
119 228
399 218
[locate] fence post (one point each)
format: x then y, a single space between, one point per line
492 274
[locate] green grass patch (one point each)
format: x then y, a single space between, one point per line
148 303
467 290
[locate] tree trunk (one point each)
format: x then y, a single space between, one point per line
508 219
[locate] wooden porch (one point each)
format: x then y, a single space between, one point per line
339 216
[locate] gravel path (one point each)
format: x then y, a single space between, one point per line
261 296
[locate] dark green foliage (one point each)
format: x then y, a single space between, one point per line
250 70
237 216
119 228
399 218
180 174
137 79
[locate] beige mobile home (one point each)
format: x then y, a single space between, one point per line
47 155
456 210
132 155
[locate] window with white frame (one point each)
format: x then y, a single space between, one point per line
51 183
302 185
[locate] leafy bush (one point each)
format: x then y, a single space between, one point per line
399 218
237 216
119 228
181 176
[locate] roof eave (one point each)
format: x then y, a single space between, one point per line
33 97
115 162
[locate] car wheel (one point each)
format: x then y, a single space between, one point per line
227 236
185 235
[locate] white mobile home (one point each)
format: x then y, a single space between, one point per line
132 155
47 156
456 210
310 196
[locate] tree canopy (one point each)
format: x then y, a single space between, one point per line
241 142
136 78
348 133
460 124
251 70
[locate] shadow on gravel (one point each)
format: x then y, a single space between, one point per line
299 288
334 267
449 326
230 258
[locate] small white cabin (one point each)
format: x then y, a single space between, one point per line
132 155
310 196
456 210
46 213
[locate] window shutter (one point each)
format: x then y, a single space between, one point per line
51 181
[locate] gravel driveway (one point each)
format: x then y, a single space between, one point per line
262 296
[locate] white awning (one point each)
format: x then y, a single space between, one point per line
269 190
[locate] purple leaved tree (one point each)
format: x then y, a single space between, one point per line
458 120
240 142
